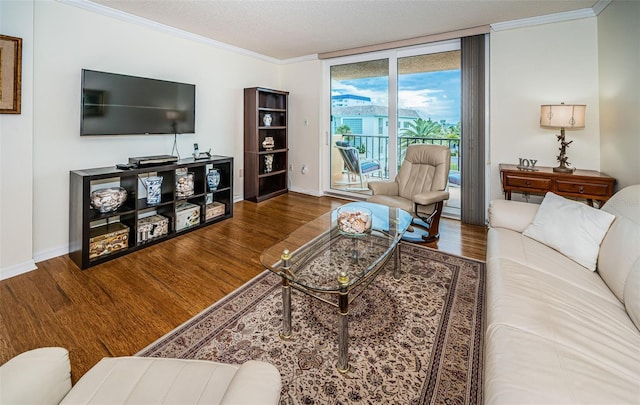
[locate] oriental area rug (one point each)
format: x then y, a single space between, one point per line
417 340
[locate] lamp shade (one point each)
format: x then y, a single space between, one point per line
562 115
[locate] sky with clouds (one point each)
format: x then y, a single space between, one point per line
434 95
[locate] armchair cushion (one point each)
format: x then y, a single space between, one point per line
389 188
254 382
144 380
430 197
41 376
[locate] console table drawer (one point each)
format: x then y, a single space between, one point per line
583 188
528 182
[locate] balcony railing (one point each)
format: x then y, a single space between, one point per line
377 147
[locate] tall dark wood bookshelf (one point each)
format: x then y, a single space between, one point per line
261 179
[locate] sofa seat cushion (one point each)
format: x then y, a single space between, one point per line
522 368
142 380
506 244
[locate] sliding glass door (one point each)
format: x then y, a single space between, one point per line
359 124
381 103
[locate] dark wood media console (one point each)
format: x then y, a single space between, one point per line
86 222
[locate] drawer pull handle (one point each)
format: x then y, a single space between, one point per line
581 189
528 183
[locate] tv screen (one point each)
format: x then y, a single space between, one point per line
115 104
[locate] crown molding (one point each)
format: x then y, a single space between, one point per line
600 5
130 18
299 59
545 19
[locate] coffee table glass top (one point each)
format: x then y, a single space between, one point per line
320 255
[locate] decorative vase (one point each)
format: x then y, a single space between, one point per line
213 179
268 163
154 189
267 120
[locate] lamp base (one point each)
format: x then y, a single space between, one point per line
563 169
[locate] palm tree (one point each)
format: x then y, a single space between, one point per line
420 128
343 130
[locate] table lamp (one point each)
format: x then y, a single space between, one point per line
562 116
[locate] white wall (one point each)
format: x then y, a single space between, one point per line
619 62
304 81
16 151
66 39
544 64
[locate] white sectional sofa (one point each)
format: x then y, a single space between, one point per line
557 332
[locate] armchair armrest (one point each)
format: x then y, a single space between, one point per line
383 187
40 376
430 197
513 215
255 382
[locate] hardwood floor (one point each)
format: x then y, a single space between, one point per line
119 307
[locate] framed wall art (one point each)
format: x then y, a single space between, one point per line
10 74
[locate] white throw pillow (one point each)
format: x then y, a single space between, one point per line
572 228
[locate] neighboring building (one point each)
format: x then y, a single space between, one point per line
347 100
369 120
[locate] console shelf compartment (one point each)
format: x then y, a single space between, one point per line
85 222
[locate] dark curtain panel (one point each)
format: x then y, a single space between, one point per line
472 165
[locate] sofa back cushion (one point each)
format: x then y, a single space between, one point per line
572 228
632 294
620 248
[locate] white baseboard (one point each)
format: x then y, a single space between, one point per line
50 253
17 269
315 193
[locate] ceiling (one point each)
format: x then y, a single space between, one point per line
299 28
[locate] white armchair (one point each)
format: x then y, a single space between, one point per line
420 187
43 376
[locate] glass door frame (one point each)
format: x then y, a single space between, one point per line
392 55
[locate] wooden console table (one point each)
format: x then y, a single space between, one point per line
588 184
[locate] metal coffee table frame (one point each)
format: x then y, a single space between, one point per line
346 280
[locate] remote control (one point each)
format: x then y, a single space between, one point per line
125 166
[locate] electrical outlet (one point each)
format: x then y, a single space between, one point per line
304 169
241 172
290 167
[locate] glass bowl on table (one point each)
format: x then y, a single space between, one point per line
354 221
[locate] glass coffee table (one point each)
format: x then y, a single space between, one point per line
320 260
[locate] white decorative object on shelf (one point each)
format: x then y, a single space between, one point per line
268 143
108 199
184 185
154 189
267 120
268 163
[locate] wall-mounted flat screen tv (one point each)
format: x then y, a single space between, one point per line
115 104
